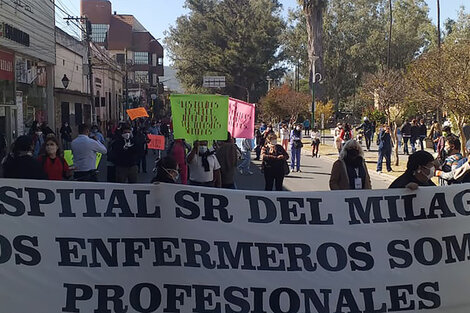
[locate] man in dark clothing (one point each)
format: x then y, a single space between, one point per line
367 129
414 135
227 155
385 149
423 132
406 133
126 153
21 164
46 130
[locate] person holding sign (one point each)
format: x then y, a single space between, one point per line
419 172
20 163
350 170
204 168
274 163
127 154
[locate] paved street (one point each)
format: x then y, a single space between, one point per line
315 175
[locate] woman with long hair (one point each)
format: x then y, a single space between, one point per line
274 163
350 170
52 160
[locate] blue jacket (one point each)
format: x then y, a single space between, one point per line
385 141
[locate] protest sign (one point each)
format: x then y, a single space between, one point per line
241 119
68 157
136 113
156 142
96 247
199 117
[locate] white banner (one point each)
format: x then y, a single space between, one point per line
93 247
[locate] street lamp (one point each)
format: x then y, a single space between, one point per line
65 81
314 80
269 79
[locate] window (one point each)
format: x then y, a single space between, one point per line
99 32
103 101
120 58
154 80
141 57
160 61
142 77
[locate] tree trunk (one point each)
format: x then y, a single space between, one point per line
395 147
313 10
389 54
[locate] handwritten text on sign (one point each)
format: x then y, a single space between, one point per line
200 117
241 121
169 248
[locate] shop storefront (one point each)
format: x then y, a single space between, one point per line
7 95
27 56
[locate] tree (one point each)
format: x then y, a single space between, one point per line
444 75
313 10
355 41
387 88
283 103
238 39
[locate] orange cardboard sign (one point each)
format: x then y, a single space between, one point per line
156 142
136 113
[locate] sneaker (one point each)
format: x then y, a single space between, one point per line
250 173
379 172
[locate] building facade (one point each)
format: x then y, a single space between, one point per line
27 57
73 101
132 46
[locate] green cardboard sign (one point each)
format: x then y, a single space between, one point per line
199 117
68 157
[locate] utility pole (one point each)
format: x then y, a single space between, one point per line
88 31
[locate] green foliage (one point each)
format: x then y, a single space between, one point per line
238 39
283 103
355 40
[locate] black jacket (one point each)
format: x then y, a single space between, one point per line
415 131
125 157
407 178
406 130
23 167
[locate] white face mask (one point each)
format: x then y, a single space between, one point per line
297 128
202 149
126 136
431 172
274 142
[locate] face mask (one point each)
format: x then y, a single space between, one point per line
353 153
297 128
445 134
51 149
274 142
126 136
202 149
431 172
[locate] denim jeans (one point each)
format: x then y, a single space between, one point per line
245 164
295 154
388 155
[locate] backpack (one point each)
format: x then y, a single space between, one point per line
347 135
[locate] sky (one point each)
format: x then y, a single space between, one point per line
158 15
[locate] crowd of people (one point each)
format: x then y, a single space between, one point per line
40 154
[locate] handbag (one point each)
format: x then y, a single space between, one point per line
298 144
286 168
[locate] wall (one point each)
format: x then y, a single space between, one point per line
36 18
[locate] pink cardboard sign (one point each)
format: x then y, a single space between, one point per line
241 119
